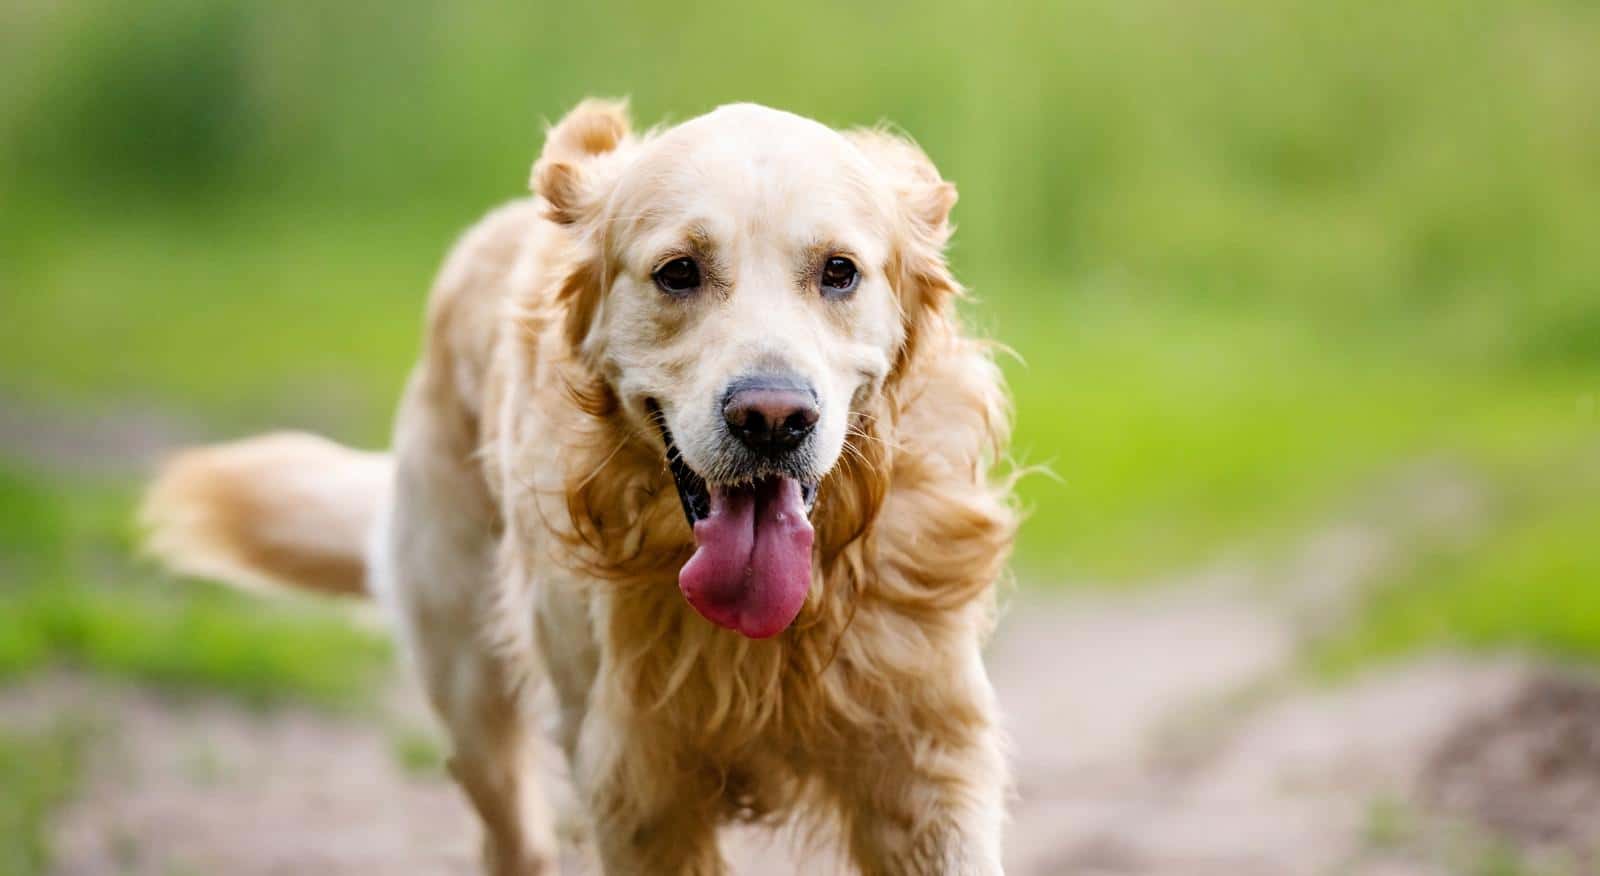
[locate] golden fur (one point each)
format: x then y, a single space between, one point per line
531 534
218 519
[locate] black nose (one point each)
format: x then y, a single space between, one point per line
770 414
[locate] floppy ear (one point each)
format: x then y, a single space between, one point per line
569 173
582 154
922 277
924 195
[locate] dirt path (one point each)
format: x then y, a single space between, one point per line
1133 757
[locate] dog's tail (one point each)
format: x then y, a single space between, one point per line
281 510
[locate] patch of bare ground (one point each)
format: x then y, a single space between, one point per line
201 786
209 787
1528 770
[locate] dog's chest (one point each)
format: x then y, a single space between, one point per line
656 663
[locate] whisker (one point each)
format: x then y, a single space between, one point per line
871 437
604 462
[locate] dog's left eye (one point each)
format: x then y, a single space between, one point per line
839 277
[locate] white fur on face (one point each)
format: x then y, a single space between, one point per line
760 199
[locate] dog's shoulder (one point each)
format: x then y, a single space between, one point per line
469 298
470 314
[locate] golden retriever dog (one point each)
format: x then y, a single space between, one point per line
698 450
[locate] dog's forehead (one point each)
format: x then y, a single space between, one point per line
746 161
745 137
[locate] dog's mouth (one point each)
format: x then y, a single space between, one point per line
751 566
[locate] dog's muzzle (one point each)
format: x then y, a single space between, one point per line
751 567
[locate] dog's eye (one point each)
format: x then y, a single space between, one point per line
839 277
678 277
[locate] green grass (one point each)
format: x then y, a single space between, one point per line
418 751
1530 583
247 320
1389 824
1172 434
75 598
38 771
1397 831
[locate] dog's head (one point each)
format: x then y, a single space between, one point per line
750 282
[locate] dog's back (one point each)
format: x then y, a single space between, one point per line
294 510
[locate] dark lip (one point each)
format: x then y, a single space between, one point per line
693 492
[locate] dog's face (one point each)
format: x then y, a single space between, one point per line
746 312
748 300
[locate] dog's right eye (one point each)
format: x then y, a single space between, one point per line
678 277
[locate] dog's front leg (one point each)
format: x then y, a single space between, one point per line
492 761
649 816
927 797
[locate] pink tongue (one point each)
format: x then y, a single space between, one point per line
752 562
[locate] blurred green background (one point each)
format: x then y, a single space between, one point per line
1259 260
